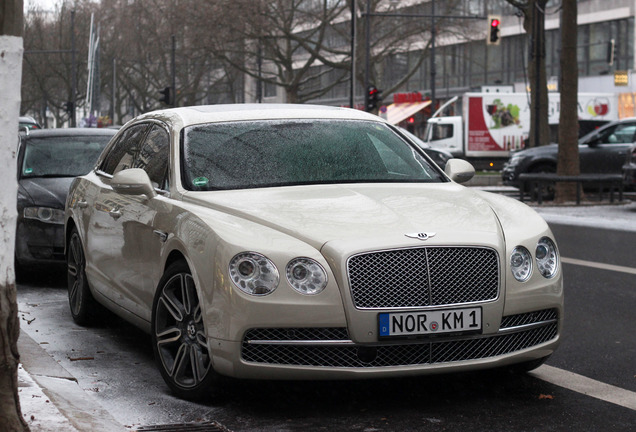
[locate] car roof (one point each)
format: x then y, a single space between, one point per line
45 133
237 112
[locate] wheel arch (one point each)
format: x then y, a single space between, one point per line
542 163
174 256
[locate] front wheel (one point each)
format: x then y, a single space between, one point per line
178 335
84 309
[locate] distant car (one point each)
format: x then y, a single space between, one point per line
305 242
48 160
440 157
629 169
600 151
28 123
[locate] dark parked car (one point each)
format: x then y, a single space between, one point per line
48 161
28 123
629 169
440 157
600 151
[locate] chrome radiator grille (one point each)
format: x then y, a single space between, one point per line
428 276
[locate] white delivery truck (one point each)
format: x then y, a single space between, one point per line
493 124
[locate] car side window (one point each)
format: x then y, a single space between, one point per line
122 154
153 155
619 134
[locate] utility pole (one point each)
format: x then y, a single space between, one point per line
352 76
173 68
73 73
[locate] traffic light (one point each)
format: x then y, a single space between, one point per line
372 98
493 37
165 96
611 47
69 107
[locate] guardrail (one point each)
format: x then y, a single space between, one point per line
536 182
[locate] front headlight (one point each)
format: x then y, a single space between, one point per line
254 273
547 257
44 214
306 276
515 159
521 263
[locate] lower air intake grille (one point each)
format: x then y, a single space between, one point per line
273 350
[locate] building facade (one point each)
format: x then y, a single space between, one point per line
606 52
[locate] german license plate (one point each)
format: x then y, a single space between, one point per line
419 323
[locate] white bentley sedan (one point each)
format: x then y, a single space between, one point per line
305 242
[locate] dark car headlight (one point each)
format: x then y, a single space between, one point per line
515 160
44 214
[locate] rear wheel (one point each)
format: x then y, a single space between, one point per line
84 308
178 335
547 192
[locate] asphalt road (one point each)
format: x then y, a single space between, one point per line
589 384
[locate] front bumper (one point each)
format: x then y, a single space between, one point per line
629 175
328 353
39 242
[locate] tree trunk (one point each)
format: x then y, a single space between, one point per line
568 158
10 74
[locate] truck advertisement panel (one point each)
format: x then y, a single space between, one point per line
495 123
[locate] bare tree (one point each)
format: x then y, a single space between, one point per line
10 67
277 42
534 25
568 158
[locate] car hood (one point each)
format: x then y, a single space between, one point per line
532 151
378 213
46 192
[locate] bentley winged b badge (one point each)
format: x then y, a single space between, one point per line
421 235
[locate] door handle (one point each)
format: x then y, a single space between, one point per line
163 236
82 204
115 214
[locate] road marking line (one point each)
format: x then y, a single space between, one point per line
586 386
602 266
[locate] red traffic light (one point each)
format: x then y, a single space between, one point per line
494 22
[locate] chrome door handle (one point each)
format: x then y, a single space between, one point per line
163 236
115 214
82 204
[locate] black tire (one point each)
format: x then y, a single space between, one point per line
548 191
179 338
84 309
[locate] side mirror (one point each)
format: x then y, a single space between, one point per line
459 170
133 181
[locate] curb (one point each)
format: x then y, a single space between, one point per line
81 409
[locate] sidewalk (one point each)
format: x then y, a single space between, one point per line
52 400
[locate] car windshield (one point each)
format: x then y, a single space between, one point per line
64 156
251 154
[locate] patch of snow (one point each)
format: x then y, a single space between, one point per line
618 216
40 414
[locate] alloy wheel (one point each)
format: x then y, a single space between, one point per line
180 334
76 281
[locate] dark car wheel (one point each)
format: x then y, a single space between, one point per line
179 338
84 309
547 193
